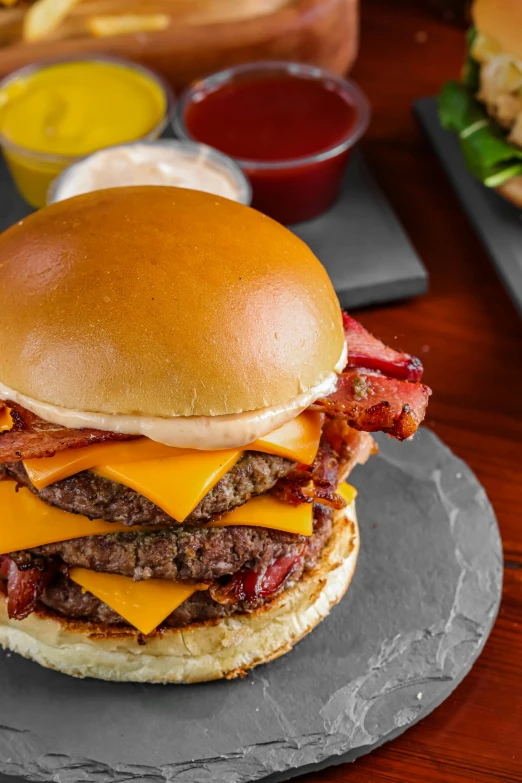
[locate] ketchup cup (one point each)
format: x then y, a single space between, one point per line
290 127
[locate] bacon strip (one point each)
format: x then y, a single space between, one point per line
315 484
25 585
32 437
365 350
372 402
351 446
247 585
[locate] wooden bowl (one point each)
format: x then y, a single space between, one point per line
320 32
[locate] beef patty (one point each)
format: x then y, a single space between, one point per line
68 599
182 553
100 498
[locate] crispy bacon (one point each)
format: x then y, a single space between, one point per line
247 585
351 446
372 402
32 437
25 585
313 484
365 350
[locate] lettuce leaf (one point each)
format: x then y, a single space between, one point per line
488 155
471 70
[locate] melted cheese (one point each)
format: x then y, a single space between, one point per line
267 511
26 521
175 484
174 479
6 421
48 470
297 440
143 604
347 492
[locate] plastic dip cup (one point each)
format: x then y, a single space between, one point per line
291 128
54 113
173 162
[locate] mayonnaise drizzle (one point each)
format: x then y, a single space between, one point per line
194 432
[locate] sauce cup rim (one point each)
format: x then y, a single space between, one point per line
347 88
219 158
40 65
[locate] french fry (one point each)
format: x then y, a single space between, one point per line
45 16
127 23
11 20
8 3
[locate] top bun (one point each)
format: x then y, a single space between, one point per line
500 20
161 301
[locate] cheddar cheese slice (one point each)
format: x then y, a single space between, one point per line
143 604
267 511
297 440
175 484
347 492
6 421
26 521
48 470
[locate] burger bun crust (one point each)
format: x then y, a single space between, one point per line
162 302
500 20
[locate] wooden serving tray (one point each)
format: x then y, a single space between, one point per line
207 36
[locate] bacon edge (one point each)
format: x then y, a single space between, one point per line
31 436
373 402
366 351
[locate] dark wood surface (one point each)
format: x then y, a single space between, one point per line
470 338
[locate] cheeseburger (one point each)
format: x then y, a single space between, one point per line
182 401
485 108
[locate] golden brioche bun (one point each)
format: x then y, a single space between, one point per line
200 652
162 301
500 20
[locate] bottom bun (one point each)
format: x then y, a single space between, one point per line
511 190
204 651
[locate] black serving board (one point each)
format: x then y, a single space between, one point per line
497 222
359 241
421 605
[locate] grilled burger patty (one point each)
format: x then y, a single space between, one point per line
182 553
68 599
100 498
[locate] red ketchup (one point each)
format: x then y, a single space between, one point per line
290 127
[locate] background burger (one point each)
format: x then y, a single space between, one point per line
183 399
485 108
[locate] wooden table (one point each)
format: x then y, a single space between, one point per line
470 338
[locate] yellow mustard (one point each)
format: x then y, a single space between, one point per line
56 114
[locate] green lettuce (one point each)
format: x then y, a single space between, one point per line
488 155
471 70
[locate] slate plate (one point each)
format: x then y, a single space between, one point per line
360 241
497 222
423 600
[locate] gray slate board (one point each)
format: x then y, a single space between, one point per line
421 605
497 222
363 246
359 241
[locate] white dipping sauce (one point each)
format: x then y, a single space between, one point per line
171 163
